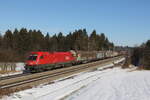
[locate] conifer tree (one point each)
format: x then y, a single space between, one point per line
8 40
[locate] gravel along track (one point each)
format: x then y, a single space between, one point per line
38 78
20 75
13 76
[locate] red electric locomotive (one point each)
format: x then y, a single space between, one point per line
39 61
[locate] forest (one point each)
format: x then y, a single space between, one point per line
16 45
141 55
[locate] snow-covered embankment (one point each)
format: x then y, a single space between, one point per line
64 88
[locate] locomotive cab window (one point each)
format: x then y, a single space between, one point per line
32 57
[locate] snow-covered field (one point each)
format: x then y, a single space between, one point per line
109 84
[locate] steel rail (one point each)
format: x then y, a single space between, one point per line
41 77
24 74
13 76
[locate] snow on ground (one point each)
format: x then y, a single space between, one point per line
19 70
118 61
11 73
59 89
118 85
109 84
20 66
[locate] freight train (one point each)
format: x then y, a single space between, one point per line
40 61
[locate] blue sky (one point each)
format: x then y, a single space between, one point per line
125 22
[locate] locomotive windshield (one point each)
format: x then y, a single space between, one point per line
32 57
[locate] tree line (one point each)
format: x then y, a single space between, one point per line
141 55
15 45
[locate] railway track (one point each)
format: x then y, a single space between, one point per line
80 83
20 75
13 76
38 78
17 75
